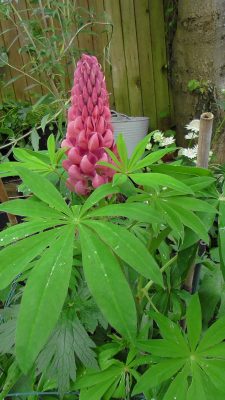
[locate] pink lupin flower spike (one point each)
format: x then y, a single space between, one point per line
89 129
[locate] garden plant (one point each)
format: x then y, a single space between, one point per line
92 279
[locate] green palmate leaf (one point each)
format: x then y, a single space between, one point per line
152 158
196 389
100 193
31 157
97 391
43 298
178 387
51 148
13 374
217 351
44 190
138 151
214 335
108 165
171 217
169 330
35 138
197 184
122 150
221 223
8 168
16 257
180 169
190 203
163 348
57 359
119 179
210 292
215 370
8 329
107 284
92 378
189 219
31 207
129 248
135 212
21 231
154 180
157 374
194 322
83 345
113 157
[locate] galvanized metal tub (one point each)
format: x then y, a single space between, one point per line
133 129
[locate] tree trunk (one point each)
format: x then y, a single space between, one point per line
198 54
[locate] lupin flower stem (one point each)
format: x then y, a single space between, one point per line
89 129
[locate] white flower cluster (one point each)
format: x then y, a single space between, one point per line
166 141
189 152
193 128
162 141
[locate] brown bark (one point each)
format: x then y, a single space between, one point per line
198 53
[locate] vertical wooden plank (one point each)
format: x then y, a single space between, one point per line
145 60
119 72
11 45
37 91
131 56
159 59
100 41
84 38
15 57
5 72
21 8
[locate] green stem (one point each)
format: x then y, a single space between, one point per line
164 267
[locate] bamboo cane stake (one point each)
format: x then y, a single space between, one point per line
204 142
4 197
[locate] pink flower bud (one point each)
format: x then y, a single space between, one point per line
82 140
90 106
94 143
94 96
81 188
74 156
108 138
66 164
89 87
101 125
78 123
86 166
98 181
75 173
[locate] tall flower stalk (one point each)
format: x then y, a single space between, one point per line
89 129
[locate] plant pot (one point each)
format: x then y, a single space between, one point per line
133 129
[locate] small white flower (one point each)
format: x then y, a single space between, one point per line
189 153
148 146
166 141
191 135
158 136
193 125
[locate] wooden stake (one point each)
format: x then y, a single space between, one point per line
204 141
4 197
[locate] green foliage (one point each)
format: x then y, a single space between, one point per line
93 287
69 340
191 358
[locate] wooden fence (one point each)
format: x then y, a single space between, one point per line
136 76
